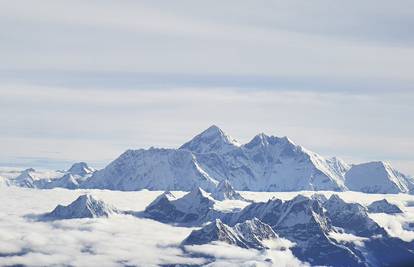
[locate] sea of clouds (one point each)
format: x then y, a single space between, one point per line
120 240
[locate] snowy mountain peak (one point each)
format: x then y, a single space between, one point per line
194 207
338 166
81 169
66 181
263 140
25 179
260 139
161 201
211 140
383 206
194 201
266 163
376 177
85 206
337 204
225 191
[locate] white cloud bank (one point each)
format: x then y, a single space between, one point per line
116 241
125 240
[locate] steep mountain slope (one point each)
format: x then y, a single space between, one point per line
211 140
249 234
68 181
269 163
85 206
225 191
338 166
313 222
304 222
377 177
80 169
154 169
351 217
25 179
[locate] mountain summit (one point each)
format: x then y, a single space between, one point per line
192 208
85 206
211 140
25 179
225 191
81 169
377 177
248 234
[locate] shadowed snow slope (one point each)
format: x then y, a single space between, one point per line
383 206
225 191
193 208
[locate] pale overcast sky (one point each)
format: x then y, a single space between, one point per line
85 80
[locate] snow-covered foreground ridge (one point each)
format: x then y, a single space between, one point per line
266 163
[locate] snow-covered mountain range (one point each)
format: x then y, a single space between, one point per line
77 174
266 163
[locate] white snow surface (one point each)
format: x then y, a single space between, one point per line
266 163
154 169
211 140
376 177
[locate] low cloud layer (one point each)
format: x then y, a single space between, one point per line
125 240
116 241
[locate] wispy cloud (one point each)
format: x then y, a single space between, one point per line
351 41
